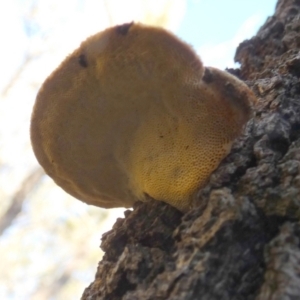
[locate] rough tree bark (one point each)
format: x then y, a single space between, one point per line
241 239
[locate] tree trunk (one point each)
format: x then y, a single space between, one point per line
241 239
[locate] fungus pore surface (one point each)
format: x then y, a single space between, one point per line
132 114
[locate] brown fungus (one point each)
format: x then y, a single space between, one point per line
137 114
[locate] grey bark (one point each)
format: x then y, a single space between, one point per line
241 239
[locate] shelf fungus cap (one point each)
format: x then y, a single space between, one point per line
132 114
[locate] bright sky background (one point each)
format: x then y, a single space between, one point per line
216 27
213 27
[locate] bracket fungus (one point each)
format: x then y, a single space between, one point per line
132 114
